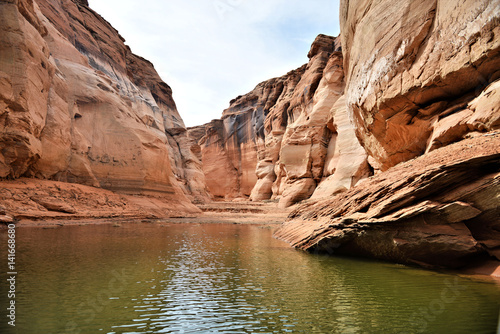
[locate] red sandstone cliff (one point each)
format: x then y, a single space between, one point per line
408 79
76 105
422 91
412 96
289 138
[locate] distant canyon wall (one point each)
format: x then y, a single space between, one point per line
290 138
76 105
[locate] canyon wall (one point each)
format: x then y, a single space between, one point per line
400 82
429 59
232 146
76 105
389 135
290 138
422 89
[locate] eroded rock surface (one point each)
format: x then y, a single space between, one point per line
287 136
44 200
441 209
413 69
419 78
76 105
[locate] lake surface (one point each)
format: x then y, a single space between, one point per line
148 278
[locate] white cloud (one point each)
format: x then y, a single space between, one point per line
211 51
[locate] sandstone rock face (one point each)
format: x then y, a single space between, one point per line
440 209
189 170
233 146
25 78
76 105
321 145
411 92
304 143
421 82
221 175
287 136
310 138
407 80
274 128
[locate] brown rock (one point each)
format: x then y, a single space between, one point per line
234 151
34 199
187 162
78 106
6 219
440 209
282 139
424 56
302 150
221 176
25 76
82 2
53 204
274 128
296 191
346 161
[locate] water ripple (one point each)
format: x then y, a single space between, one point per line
231 279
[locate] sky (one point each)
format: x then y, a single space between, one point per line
211 51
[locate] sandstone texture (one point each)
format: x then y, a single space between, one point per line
422 94
234 145
414 69
389 135
76 105
289 138
399 82
29 201
441 209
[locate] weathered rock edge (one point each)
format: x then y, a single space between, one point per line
438 210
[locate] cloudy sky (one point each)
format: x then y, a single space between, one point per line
210 51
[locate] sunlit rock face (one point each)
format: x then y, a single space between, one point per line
422 93
78 106
407 80
233 147
320 154
288 138
418 88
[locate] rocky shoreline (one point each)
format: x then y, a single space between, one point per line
438 210
266 215
31 202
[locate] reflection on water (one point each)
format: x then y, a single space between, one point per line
146 278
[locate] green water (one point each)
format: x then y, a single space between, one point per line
147 278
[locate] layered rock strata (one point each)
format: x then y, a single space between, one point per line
27 200
419 78
288 138
413 69
76 105
428 79
440 210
